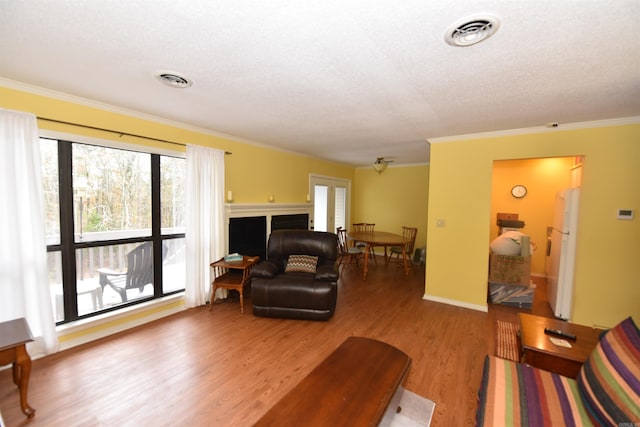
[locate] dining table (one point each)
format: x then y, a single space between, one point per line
376 239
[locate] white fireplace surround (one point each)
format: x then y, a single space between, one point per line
243 210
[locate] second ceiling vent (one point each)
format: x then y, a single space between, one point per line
471 30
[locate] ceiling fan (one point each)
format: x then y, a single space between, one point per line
381 164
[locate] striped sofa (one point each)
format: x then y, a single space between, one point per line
606 392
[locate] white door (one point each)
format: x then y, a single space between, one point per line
330 199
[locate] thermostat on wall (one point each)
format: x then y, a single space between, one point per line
625 214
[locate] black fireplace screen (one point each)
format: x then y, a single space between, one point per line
290 222
248 236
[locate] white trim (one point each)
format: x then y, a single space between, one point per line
52 134
118 321
61 96
457 303
540 129
236 210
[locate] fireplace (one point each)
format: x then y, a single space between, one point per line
249 225
290 222
247 236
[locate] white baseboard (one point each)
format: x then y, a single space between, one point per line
457 303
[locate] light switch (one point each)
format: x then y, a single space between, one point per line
625 214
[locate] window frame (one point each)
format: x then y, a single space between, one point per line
68 246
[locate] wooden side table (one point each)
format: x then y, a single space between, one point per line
14 334
540 352
232 275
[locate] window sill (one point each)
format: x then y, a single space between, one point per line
87 330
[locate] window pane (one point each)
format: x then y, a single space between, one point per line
172 197
111 193
123 272
341 207
54 268
49 159
89 292
320 208
173 266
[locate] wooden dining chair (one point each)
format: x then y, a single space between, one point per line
347 255
364 227
409 236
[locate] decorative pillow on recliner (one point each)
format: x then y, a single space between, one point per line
301 263
609 381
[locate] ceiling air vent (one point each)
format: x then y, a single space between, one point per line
173 79
472 30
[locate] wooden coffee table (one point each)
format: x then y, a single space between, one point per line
540 352
354 385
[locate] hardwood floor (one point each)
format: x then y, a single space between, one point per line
224 368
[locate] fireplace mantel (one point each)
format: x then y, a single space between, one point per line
235 210
268 210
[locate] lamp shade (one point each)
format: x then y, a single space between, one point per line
379 165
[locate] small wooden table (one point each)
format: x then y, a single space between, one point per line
354 385
379 238
14 334
232 275
540 352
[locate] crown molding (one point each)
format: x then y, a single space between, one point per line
61 96
539 129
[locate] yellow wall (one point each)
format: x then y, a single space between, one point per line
396 197
607 271
252 172
543 179
459 182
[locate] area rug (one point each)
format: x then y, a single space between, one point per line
507 340
414 411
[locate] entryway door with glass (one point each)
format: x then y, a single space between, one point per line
330 198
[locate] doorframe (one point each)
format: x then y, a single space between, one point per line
330 181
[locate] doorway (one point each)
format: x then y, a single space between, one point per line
530 211
330 198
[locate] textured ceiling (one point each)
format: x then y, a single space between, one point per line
341 80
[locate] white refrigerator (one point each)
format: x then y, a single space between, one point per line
562 252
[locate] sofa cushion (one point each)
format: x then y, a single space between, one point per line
301 263
513 394
609 381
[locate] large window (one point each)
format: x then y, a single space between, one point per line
114 224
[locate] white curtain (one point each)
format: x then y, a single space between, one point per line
205 220
24 282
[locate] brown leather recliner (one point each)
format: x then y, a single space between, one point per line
309 295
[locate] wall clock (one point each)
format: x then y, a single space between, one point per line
519 191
